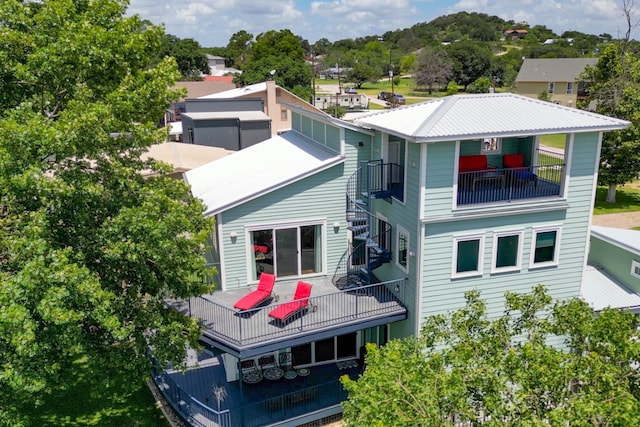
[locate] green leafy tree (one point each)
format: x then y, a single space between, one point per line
238 48
471 60
452 88
469 368
90 249
615 92
361 72
282 53
188 53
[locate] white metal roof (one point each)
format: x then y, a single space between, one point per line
221 115
257 170
600 290
241 91
626 239
485 115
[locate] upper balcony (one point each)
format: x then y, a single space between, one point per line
513 182
331 312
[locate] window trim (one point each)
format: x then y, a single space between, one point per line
556 249
551 87
498 144
635 265
322 222
463 238
569 88
494 255
401 231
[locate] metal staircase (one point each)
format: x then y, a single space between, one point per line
370 240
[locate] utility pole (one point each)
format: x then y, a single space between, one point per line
393 98
313 78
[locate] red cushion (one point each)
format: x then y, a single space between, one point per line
266 282
285 310
251 300
512 161
473 163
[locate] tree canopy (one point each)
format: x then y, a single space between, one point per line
89 248
468 368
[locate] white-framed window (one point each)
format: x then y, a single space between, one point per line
467 255
507 251
491 146
402 249
287 249
545 247
569 88
635 269
551 86
283 114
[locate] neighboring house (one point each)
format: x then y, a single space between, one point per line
346 100
183 157
390 219
194 90
516 34
232 124
217 66
558 77
275 99
612 276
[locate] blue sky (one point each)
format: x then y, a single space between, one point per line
213 22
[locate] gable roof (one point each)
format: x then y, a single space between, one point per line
485 115
196 89
281 160
553 69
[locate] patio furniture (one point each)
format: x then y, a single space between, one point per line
250 372
518 172
270 368
470 167
285 360
299 304
263 293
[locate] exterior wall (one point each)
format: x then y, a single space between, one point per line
318 197
616 260
252 133
441 292
559 95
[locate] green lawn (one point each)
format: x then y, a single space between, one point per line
84 404
555 141
627 199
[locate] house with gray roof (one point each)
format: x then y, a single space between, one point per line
387 220
558 77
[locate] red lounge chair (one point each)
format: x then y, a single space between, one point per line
260 295
300 302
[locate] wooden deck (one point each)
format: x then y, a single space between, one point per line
330 310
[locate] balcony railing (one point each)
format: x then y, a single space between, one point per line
325 311
280 407
506 185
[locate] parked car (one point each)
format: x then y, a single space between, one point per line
384 96
399 99
351 90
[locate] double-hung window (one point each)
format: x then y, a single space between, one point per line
545 247
507 251
467 255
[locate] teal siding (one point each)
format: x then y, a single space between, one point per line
439 191
296 121
319 131
442 293
616 261
333 138
307 127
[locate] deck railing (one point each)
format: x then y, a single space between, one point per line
506 185
189 408
333 309
251 414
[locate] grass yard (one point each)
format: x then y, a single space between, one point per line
83 404
627 199
555 141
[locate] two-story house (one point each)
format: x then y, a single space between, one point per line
386 221
559 78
